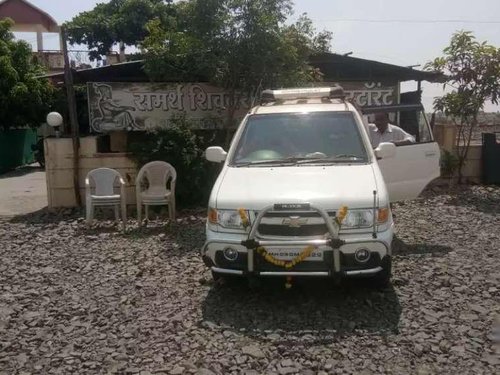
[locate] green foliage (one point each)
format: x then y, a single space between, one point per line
25 99
184 149
119 21
235 44
472 69
449 163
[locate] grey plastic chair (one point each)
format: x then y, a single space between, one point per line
100 190
151 188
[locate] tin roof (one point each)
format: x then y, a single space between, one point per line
335 67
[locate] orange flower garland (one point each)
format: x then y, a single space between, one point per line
339 218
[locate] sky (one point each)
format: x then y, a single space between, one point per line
400 32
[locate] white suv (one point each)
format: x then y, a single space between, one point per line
302 192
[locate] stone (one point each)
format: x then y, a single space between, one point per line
252 351
69 301
177 370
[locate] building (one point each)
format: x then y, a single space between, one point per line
29 18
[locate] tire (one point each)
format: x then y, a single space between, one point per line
383 278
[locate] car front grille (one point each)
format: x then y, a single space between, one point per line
293 224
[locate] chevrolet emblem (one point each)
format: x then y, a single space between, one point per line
294 221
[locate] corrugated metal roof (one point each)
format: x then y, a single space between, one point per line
335 67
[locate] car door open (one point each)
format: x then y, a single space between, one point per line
415 165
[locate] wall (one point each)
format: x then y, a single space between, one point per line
445 135
59 169
473 168
15 148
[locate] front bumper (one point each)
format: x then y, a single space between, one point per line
345 265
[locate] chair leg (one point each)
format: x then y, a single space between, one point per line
89 213
171 212
173 209
117 214
146 212
139 213
124 216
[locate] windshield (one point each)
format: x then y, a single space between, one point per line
315 137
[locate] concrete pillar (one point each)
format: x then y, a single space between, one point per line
122 52
61 41
445 135
39 40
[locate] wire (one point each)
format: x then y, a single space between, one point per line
404 20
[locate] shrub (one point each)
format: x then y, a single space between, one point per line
449 163
184 149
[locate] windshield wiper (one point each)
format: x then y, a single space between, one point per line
289 160
343 158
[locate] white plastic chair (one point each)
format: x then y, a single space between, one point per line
100 186
157 174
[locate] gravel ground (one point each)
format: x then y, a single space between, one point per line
97 301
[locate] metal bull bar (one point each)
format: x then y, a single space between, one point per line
333 241
253 242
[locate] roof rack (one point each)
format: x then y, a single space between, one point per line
392 108
335 92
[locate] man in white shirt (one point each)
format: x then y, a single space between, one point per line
382 131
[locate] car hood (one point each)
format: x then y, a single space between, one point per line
327 186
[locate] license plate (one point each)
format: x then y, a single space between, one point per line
290 254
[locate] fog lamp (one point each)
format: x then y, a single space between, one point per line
230 254
362 255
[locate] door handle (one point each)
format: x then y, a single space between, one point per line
428 154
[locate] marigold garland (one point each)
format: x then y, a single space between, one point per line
339 218
244 218
341 214
287 264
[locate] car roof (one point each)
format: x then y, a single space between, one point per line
301 105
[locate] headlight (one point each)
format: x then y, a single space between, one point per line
364 218
358 219
229 219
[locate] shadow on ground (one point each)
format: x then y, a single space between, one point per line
46 216
400 247
484 199
311 306
22 171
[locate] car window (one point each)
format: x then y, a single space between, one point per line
314 135
424 131
412 122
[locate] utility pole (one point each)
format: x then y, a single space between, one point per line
73 119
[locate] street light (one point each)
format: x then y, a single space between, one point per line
54 119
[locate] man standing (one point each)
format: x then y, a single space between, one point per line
382 131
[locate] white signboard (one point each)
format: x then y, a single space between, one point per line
145 106
370 93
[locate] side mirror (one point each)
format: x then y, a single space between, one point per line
385 150
215 154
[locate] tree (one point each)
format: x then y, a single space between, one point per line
240 45
117 22
25 99
472 69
